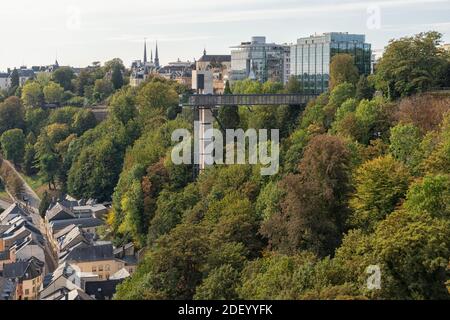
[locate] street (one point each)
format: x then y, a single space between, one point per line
31 200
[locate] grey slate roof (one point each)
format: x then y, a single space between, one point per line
102 289
59 225
13 210
215 58
91 253
58 212
24 270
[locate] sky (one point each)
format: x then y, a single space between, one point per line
82 31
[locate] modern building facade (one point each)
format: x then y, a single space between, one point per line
259 60
311 58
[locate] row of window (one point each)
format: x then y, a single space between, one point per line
100 268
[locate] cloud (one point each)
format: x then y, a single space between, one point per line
290 12
159 37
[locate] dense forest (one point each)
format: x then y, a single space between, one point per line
364 181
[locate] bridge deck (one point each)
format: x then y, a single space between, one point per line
247 100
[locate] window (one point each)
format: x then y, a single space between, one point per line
107 267
100 268
100 276
27 291
94 269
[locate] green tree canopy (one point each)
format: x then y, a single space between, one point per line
411 65
13 145
343 69
53 93
380 185
12 114
32 95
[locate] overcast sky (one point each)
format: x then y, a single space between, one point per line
33 32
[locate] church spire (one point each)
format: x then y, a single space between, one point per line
157 56
145 50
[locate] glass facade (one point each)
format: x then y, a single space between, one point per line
259 60
311 58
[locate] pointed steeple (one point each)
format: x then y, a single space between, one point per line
157 56
145 51
204 52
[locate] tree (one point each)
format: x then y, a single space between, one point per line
117 77
380 185
95 172
431 195
29 160
102 89
12 114
411 65
45 204
314 210
15 80
172 269
281 277
83 120
53 93
13 145
229 115
35 120
426 112
364 90
220 284
293 85
412 251
343 69
156 96
32 95
405 140
123 105
64 76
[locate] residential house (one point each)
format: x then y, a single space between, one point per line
19 229
7 289
87 217
27 275
65 283
128 255
27 248
71 236
4 81
98 259
12 212
7 257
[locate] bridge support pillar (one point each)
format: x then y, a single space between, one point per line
204 135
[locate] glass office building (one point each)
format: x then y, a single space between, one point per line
260 61
311 58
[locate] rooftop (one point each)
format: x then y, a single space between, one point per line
91 253
24 270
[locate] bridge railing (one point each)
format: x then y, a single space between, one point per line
247 100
